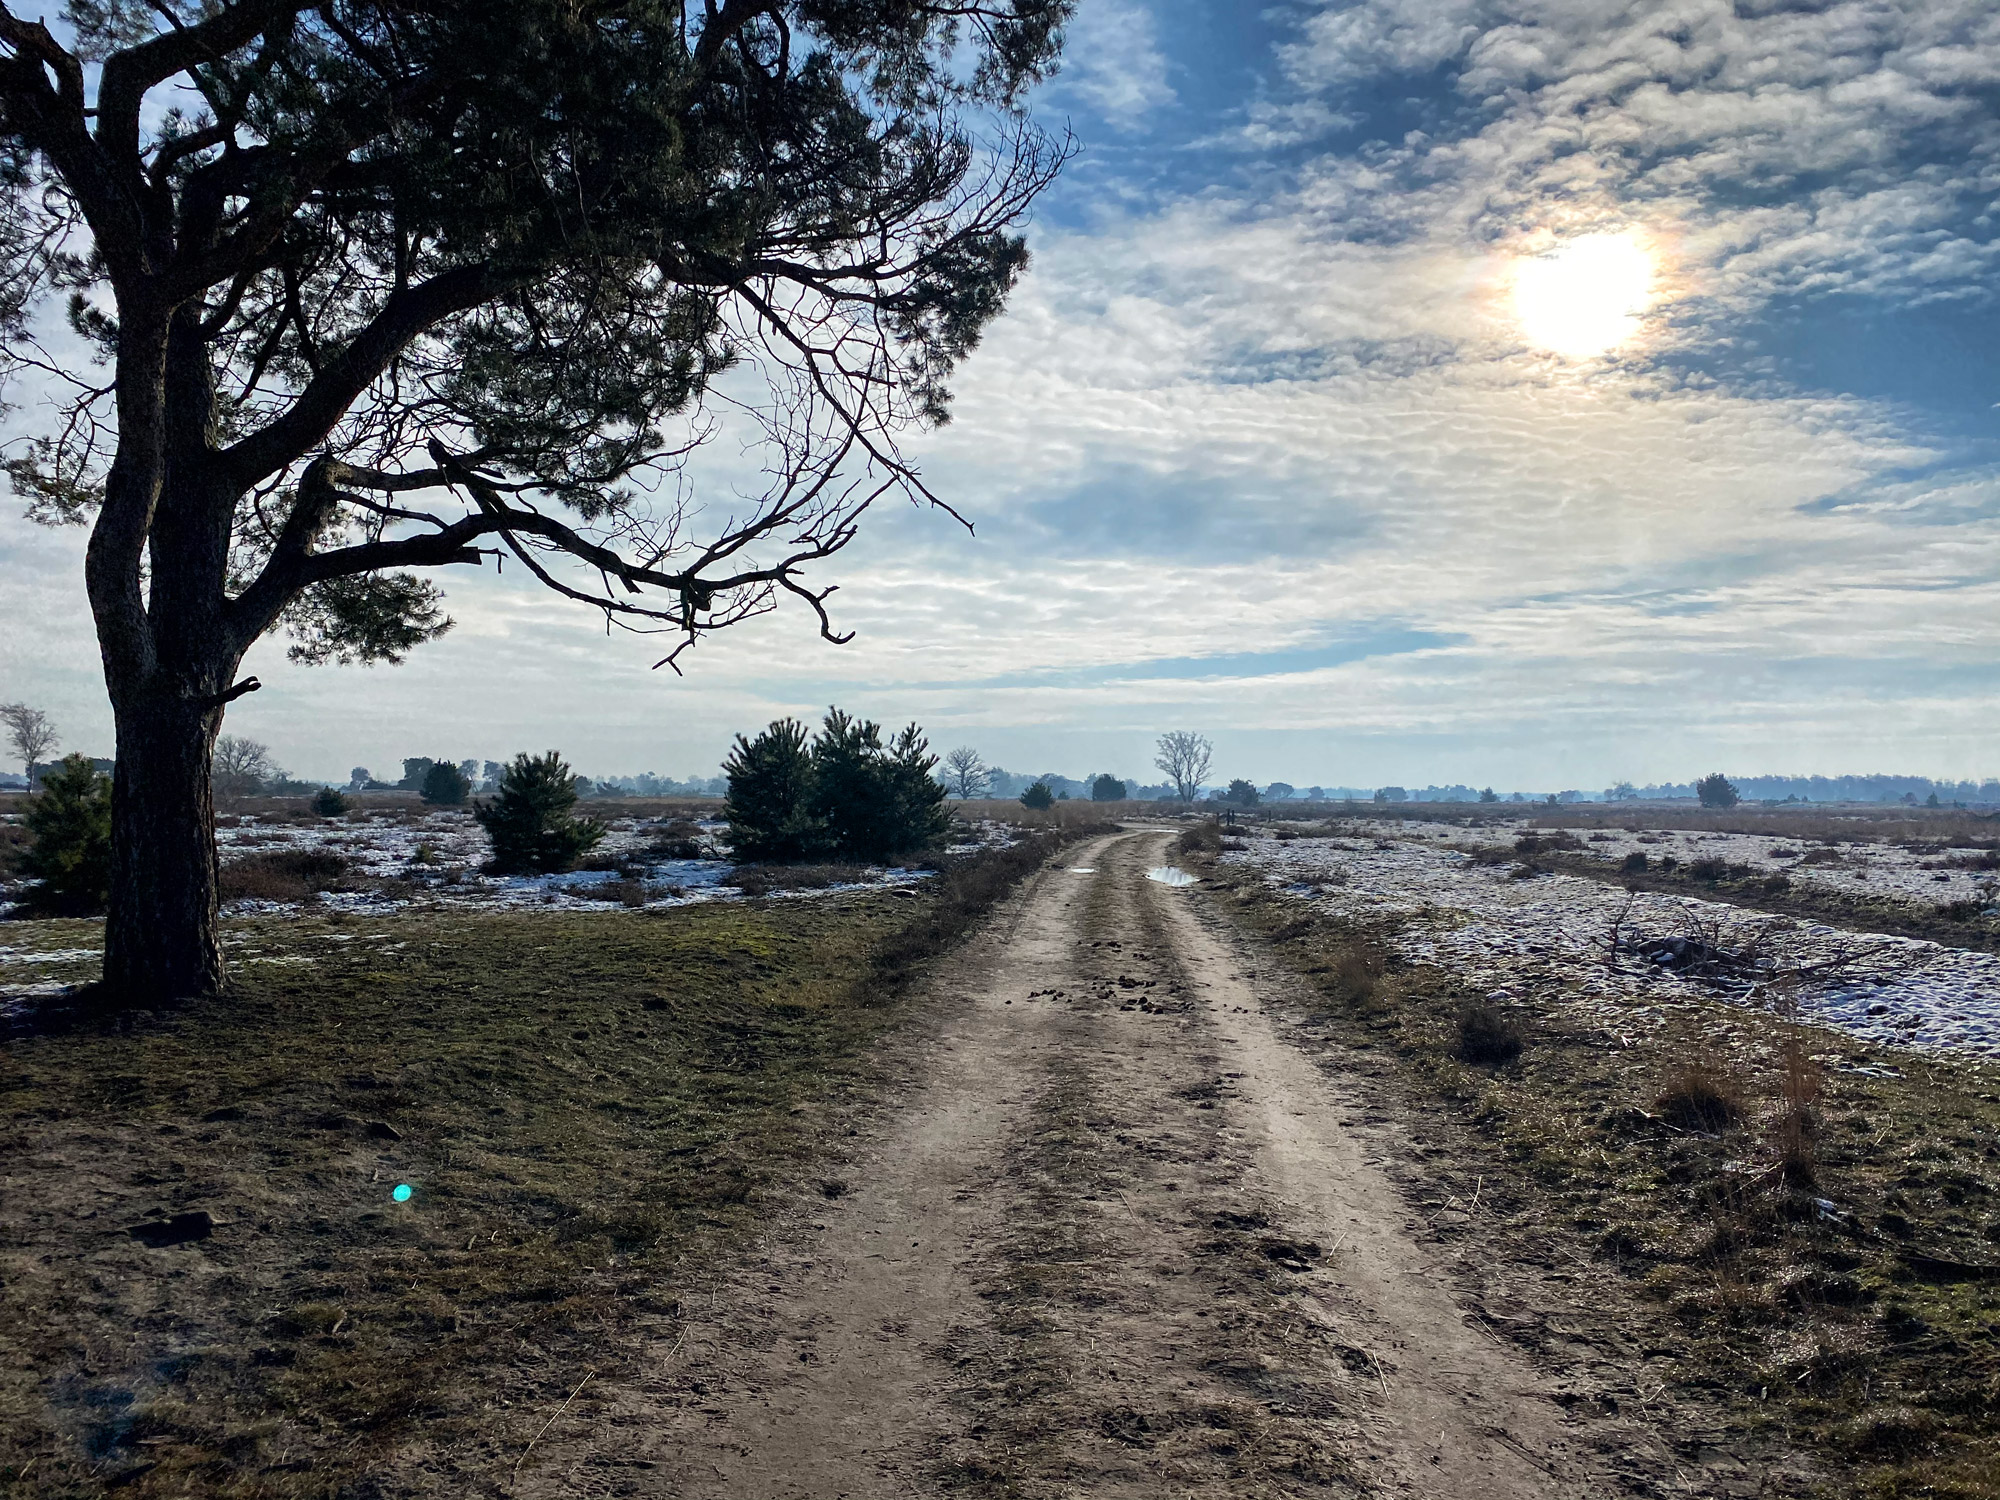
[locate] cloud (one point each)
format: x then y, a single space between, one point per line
1849 147
1113 63
1273 462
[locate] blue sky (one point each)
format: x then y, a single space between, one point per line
1264 447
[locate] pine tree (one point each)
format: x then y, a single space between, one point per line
770 806
445 785
70 820
529 821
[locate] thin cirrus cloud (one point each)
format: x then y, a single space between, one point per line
1260 448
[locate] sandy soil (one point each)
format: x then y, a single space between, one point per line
1113 1234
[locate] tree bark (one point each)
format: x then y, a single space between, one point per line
161 941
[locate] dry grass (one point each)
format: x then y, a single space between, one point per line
1805 1229
762 880
284 875
1075 817
1698 1095
587 1105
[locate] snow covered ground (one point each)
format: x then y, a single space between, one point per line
1546 940
1856 867
431 857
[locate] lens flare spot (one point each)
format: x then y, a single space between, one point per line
1587 296
402 1192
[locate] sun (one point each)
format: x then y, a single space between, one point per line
1586 297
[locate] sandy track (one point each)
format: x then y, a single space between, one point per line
1116 1236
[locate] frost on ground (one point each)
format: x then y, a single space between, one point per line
418 859
1920 875
1548 940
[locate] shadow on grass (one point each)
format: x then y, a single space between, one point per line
584 1106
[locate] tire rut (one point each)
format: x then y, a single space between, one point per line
1111 1237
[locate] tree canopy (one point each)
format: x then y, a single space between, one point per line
388 284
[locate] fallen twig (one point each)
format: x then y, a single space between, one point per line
550 1423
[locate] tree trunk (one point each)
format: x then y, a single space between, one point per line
162 942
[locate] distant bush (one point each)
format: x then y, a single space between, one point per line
1715 790
1242 793
1204 838
70 822
445 785
1635 863
329 803
1708 868
1038 798
1107 788
530 822
1487 1036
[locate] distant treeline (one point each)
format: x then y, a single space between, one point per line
1875 788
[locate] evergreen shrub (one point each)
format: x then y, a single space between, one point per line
444 785
70 822
530 822
847 796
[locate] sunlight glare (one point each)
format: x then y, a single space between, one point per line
1587 296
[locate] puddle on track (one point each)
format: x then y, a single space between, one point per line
1170 875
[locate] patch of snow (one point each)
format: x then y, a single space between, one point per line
1547 939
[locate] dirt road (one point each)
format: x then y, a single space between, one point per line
1116 1236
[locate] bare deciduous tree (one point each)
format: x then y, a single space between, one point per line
1185 757
242 767
965 773
31 733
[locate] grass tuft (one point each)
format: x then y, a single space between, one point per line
1486 1036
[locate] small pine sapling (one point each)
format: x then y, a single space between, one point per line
70 822
770 806
530 822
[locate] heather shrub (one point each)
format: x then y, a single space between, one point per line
1487 1036
282 875
1698 1097
1203 838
